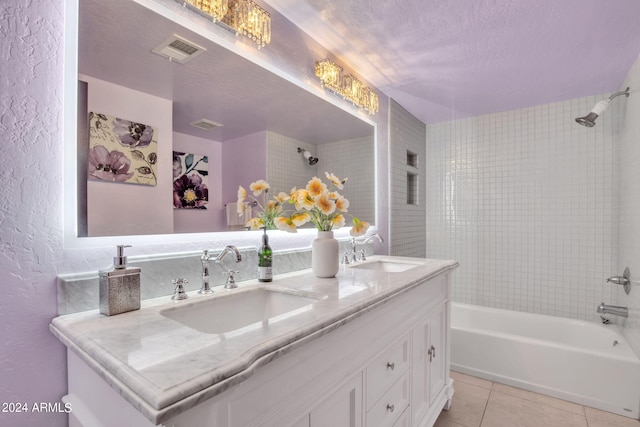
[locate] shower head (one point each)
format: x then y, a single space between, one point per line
307 155
590 119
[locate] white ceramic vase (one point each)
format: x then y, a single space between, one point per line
325 255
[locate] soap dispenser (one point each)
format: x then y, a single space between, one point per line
119 286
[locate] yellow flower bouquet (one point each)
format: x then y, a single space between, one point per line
325 208
270 208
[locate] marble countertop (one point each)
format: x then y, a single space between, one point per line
163 367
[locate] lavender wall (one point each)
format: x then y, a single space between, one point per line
149 208
32 361
245 162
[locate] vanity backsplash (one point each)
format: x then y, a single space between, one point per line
80 291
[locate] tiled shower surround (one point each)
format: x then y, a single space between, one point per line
407 210
628 114
526 201
353 159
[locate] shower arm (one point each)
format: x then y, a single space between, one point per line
624 92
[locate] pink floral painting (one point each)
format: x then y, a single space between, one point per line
122 150
190 179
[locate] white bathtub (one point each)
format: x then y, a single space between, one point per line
582 362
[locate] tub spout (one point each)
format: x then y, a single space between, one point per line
613 309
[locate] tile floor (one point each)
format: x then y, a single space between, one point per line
482 403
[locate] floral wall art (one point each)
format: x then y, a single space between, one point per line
122 150
190 180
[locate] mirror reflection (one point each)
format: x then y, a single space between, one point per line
145 120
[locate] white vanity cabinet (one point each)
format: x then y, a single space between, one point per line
385 366
430 361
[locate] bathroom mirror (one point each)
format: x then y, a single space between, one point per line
263 119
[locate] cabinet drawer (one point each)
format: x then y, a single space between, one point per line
386 411
386 368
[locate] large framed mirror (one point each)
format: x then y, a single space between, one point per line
258 119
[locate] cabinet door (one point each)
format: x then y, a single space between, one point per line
437 357
429 362
342 409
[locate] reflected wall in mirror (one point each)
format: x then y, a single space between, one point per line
263 119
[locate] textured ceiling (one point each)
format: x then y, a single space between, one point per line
447 59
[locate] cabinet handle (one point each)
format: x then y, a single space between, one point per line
391 365
391 408
429 354
433 351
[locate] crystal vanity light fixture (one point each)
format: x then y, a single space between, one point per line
349 87
240 16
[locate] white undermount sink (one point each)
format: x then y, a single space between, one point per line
386 266
240 308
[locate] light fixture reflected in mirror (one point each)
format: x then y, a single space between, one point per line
307 155
240 16
349 87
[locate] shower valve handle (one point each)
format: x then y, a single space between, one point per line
618 280
624 280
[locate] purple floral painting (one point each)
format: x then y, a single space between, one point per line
121 150
190 179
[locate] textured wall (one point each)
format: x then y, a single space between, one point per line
628 109
525 200
32 361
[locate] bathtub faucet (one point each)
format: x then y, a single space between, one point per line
613 309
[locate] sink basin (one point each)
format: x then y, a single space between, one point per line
386 266
241 308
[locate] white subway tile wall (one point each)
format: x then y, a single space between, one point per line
526 201
628 110
353 159
407 225
285 166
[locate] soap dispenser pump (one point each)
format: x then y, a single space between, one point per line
119 286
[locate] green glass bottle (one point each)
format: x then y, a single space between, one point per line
265 273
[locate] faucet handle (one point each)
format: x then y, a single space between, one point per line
618 280
363 255
231 281
179 292
624 280
345 258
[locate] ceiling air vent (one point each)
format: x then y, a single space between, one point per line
178 49
205 124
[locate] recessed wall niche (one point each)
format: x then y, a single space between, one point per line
412 178
412 188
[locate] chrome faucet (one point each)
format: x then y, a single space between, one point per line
363 256
352 257
613 309
230 283
179 293
205 259
226 250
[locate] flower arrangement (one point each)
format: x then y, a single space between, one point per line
325 208
270 209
